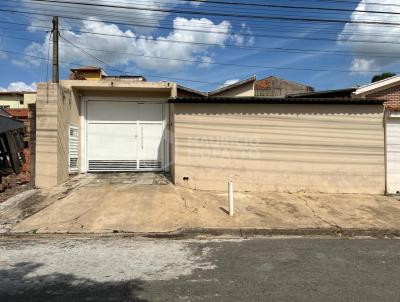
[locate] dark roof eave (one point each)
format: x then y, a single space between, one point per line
348 91
263 100
200 93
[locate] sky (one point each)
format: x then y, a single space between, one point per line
202 45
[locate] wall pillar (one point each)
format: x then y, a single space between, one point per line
46 135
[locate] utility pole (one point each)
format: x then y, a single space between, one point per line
55 32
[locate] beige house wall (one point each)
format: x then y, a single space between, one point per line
46 135
286 148
14 101
11 100
239 91
29 98
58 106
68 113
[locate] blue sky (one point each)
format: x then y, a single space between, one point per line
162 45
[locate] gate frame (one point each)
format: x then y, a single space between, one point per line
83 127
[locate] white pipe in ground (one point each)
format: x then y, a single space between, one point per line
230 198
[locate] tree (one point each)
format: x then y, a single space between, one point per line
380 77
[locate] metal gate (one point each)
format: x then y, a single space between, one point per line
125 136
393 154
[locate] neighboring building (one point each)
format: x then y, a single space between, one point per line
277 87
11 145
267 87
17 99
22 115
240 89
338 93
388 90
87 73
183 91
261 143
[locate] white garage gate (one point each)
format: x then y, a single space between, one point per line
124 136
393 153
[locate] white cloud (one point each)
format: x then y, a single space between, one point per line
147 17
374 34
230 82
196 4
360 65
19 86
145 46
244 36
206 61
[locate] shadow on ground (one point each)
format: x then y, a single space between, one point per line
19 283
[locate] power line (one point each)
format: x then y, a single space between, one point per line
258 5
213 63
307 29
239 46
262 17
188 29
53 12
255 66
261 5
64 5
118 70
215 32
110 67
277 49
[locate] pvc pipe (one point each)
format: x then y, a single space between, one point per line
230 198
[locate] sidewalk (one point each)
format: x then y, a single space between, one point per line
149 205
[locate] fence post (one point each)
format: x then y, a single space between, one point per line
230 198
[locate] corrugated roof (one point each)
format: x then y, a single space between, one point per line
7 124
224 88
18 93
18 113
191 90
378 85
325 93
266 100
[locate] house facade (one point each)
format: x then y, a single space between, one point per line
207 139
16 99
388 90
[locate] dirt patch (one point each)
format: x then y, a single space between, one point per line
12 185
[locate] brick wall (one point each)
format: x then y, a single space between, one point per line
391 96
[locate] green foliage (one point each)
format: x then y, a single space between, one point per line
382 76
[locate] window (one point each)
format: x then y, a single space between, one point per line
73 148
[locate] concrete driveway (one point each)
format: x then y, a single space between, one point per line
149 203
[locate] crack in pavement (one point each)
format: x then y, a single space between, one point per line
335 226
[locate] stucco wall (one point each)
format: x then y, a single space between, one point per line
68 113
56 108
11 100
14 101
29 98
242 90
287 148
46 135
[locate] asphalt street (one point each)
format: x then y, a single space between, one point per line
128 269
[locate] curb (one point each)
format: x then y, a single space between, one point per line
198 233
254 232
